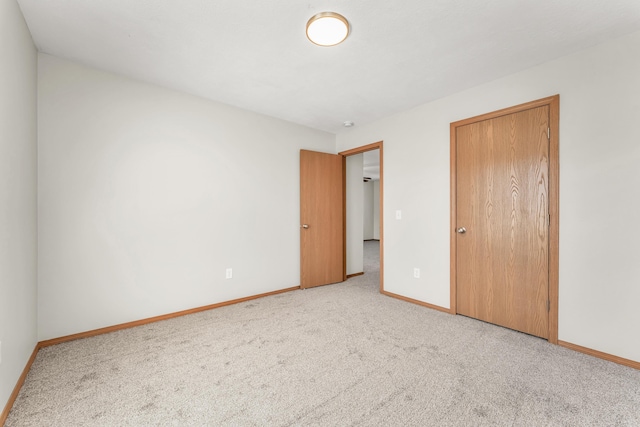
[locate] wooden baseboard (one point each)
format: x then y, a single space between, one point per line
141 322
349 276
87 334
595 353
16 389
14 395
606 356
415 301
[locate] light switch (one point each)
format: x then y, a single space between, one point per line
398 214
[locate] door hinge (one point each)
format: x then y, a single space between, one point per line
548 133
548 306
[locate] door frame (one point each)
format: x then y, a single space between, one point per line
553 102
352 152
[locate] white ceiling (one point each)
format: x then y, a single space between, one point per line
254 54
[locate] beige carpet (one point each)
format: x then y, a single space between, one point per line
335 355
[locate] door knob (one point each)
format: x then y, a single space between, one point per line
305 226
461 230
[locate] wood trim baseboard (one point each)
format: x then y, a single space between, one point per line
600 355
349 276
141 322
591 352
415 301
95 332
16 389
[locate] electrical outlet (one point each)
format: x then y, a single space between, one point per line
416 273
229 273
398 214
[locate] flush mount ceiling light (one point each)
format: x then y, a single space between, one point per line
327 29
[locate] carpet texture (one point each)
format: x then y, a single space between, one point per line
335 355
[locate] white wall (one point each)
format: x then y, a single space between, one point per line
147 195
18 175
376 209
355 214
599 179
367 208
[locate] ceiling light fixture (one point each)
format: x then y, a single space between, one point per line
348 124
327 29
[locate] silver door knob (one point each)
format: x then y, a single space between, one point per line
305 226
461 230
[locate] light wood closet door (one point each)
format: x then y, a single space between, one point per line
502 216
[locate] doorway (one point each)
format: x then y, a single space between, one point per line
504 216
371 212
323 216
377 235
363 213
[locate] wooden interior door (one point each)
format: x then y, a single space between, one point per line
322 219
502 220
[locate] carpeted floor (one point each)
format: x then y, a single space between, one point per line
335 355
